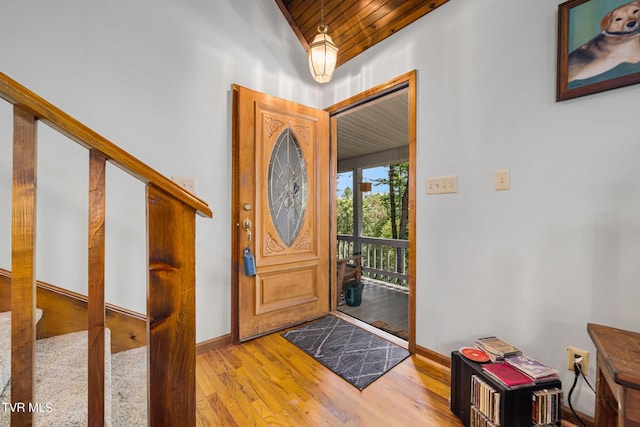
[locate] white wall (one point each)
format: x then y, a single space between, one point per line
535 264
153 76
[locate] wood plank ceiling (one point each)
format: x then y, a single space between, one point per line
354 25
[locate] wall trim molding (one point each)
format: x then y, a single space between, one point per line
65 311
567 415
433 356
213 344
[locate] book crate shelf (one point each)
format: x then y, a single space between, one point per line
482 401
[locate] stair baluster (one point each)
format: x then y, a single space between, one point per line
23 250
96 303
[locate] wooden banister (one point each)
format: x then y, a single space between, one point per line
170 226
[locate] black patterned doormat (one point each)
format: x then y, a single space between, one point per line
358 356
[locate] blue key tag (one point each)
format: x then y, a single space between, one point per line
249 263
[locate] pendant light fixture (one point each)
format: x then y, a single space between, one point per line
323 54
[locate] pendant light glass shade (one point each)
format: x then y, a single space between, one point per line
323 55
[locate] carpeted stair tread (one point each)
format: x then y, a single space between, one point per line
61 381
5 346
129 385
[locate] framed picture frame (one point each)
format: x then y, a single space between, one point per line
598 46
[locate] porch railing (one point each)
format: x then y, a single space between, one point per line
170 226
382 259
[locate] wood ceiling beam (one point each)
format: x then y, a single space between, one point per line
292 23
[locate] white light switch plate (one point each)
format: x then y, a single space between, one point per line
501 179
442 184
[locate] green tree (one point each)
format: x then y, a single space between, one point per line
345 212
375 217
398 198
397 209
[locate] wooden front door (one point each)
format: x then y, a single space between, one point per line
281 212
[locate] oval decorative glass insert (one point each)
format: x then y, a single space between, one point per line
287 181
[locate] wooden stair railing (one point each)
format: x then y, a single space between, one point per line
171 268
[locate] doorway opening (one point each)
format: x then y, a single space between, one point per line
373 140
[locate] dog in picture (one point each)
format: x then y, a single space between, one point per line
618 42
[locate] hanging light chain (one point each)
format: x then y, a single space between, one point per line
322 12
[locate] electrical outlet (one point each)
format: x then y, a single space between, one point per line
572 352
189 184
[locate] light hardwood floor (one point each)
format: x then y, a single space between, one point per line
270 382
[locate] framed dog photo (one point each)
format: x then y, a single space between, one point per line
598 46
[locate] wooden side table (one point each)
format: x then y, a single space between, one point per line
617 376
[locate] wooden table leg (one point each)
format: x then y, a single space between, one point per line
606 404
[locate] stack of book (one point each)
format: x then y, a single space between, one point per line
511 366
496 348
531 367
507 374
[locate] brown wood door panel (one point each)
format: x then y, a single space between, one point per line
281 185
282 289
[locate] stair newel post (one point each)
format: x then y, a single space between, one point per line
23 265
170 310
96 305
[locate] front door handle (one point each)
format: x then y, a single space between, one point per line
246 225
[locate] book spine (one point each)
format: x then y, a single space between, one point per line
485 400
546 406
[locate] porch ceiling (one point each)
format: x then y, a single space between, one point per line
375 133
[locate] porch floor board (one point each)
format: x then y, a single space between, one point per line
381 303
